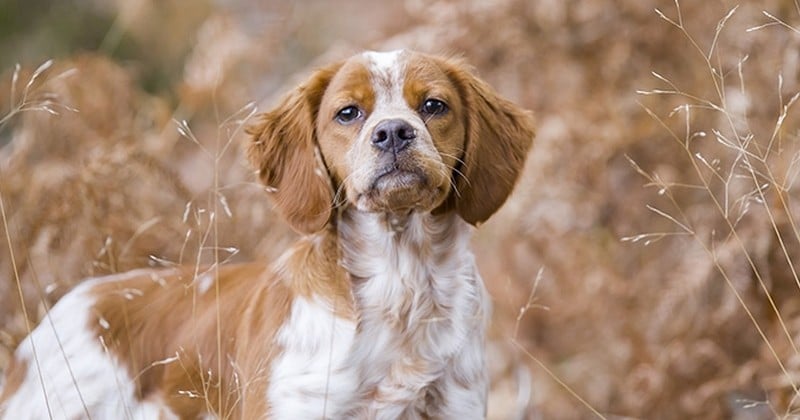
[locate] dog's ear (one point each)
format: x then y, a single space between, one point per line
499 135
283 148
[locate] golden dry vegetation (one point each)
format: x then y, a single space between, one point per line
646 266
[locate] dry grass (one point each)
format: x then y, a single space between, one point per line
677 300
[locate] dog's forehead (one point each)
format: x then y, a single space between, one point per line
376 65
382 74
388 81
402 70
386 68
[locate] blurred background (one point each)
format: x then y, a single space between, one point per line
645 267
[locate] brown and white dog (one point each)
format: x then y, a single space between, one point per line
383 162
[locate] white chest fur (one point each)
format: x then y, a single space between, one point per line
417 349
424 310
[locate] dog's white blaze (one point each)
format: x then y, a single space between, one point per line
77 375
386 62
310 378
386 71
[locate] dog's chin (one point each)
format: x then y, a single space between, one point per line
401 191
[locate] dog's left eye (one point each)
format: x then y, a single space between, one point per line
433 107
348 114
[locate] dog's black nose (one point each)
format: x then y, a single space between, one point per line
393 135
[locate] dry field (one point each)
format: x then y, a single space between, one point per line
646 266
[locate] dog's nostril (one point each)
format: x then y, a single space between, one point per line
393 135
381 136
407 133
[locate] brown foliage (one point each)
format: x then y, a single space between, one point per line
667 330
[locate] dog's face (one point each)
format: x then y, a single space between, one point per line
391 133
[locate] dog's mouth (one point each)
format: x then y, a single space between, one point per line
396 177
399 188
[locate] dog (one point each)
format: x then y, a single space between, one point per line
384 163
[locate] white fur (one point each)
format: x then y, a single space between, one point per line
384 61
423 311
310 379
72 376
386 71
423 314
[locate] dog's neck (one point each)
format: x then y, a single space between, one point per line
384 238
404 265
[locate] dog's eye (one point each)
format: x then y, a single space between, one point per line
348 114
433 107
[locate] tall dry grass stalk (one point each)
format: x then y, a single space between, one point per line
30 97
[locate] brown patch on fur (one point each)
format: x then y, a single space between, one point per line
284 150
350 86
161 315
499 135
14 378
315 263
424 79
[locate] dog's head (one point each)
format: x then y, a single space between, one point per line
393 133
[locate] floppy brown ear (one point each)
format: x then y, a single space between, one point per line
499 135
283 148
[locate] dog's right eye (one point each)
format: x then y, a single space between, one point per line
348 114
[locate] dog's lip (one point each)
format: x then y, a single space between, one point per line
400 175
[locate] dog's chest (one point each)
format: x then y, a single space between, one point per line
418 304
402 351
419 298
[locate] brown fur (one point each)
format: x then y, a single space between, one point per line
317 261
499 135
14 377
286 156
158 315
351 85
148 318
